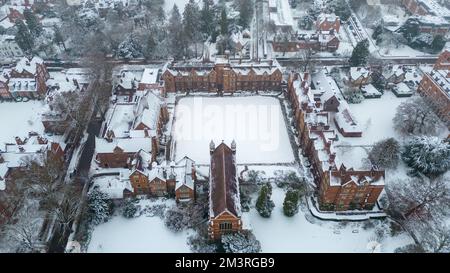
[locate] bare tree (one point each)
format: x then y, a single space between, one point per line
68 208
43 178
24 234
76 107
436 238
419 196
416 116
306 56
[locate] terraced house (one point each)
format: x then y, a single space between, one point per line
339 187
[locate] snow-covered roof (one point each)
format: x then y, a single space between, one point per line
223 183
150 75
435 8
402 88
183 169
112 186
442 79
327 17
369 89
121 119
345 120
28 65
68 80
324 83
148 110
128 145
357 72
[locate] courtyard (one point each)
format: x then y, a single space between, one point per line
256 123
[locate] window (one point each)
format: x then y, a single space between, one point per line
225 226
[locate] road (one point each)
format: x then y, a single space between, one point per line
57 243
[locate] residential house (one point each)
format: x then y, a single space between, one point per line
28 78
328 22
360 76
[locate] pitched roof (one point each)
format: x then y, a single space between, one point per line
224 187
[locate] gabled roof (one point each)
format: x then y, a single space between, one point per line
224 186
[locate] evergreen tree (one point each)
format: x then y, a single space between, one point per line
410 29
33 23
385 153
130 48
23 37
175 33
224 23
360 54
245 8
59 39
377 33
438 43
191 21
99 207
427 155
207 19
378 81
341 9
150 47
264 205
290 204
129 208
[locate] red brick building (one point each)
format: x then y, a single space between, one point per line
149 178
338 187
28 79
328 22
443 62
435 86
223 76
224 202
317 42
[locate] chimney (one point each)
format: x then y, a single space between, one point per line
233 146
18 141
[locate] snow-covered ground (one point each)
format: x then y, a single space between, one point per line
296 234
256 124
20 118
375 116
143 234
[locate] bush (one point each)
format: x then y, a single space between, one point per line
290 204
129 208
175 220
264 205
240 242
355 97
395 228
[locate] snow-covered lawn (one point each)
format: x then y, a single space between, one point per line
143 234
256 123
296 234
375 116
19 118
